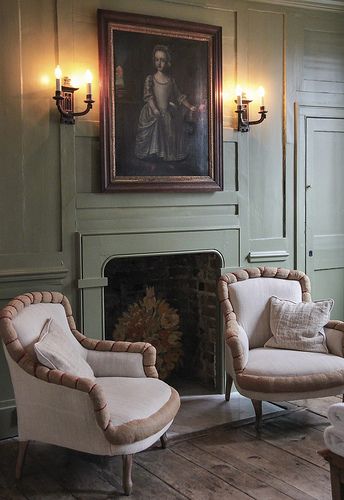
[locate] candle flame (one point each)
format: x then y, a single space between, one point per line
58 72
261 91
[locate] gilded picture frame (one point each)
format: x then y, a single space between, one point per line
160 104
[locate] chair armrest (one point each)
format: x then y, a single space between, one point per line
146 350
334 331
116 364
237 342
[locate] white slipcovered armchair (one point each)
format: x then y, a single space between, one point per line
274 374
119 408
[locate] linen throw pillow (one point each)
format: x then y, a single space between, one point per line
299 326
59 350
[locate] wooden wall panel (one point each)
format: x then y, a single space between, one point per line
323 61
266 160
29 142
11 185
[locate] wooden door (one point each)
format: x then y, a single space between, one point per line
324 200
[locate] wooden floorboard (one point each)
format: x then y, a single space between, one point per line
318 406
295 434
254 486
280 462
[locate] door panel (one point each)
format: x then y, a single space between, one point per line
325 209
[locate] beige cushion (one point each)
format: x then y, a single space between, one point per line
276 371
58 349
265 362
131 398
251 303
299 326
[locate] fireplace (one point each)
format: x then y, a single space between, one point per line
190 256
170 301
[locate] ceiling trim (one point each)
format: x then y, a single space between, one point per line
330 5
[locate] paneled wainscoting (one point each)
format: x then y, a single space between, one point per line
229 462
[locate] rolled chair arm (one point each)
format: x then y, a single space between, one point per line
125 359
334 331
146 350
235 336
237 341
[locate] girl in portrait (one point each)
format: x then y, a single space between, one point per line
161 133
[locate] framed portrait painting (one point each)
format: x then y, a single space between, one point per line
161 106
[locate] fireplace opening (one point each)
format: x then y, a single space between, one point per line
169 301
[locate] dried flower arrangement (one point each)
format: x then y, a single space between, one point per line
153 320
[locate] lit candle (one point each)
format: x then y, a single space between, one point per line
58 74
261 93
239 95
88 78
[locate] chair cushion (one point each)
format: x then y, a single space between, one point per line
135 403
277 370
133 398
58 349
299 326
251 303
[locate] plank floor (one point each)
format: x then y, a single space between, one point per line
281 462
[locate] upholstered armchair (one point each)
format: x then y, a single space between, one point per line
269 373
107 398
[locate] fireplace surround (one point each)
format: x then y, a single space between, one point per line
98 252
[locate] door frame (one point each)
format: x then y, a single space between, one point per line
304 112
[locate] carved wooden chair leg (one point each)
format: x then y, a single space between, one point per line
229 383
257 405
22 448
163 441
126 478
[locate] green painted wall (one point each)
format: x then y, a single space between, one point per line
53 214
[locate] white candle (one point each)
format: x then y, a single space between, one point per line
261 92
239 96
88 78
58 74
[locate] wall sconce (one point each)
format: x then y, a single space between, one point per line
243 104
64 97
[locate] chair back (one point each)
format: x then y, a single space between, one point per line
250 300
29 322
22 320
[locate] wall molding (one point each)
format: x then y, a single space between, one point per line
14 282
34 274
330 5
268 256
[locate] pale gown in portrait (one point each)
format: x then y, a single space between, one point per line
161 137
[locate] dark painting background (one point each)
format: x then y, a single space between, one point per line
189 68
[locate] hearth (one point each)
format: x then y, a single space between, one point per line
170 301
